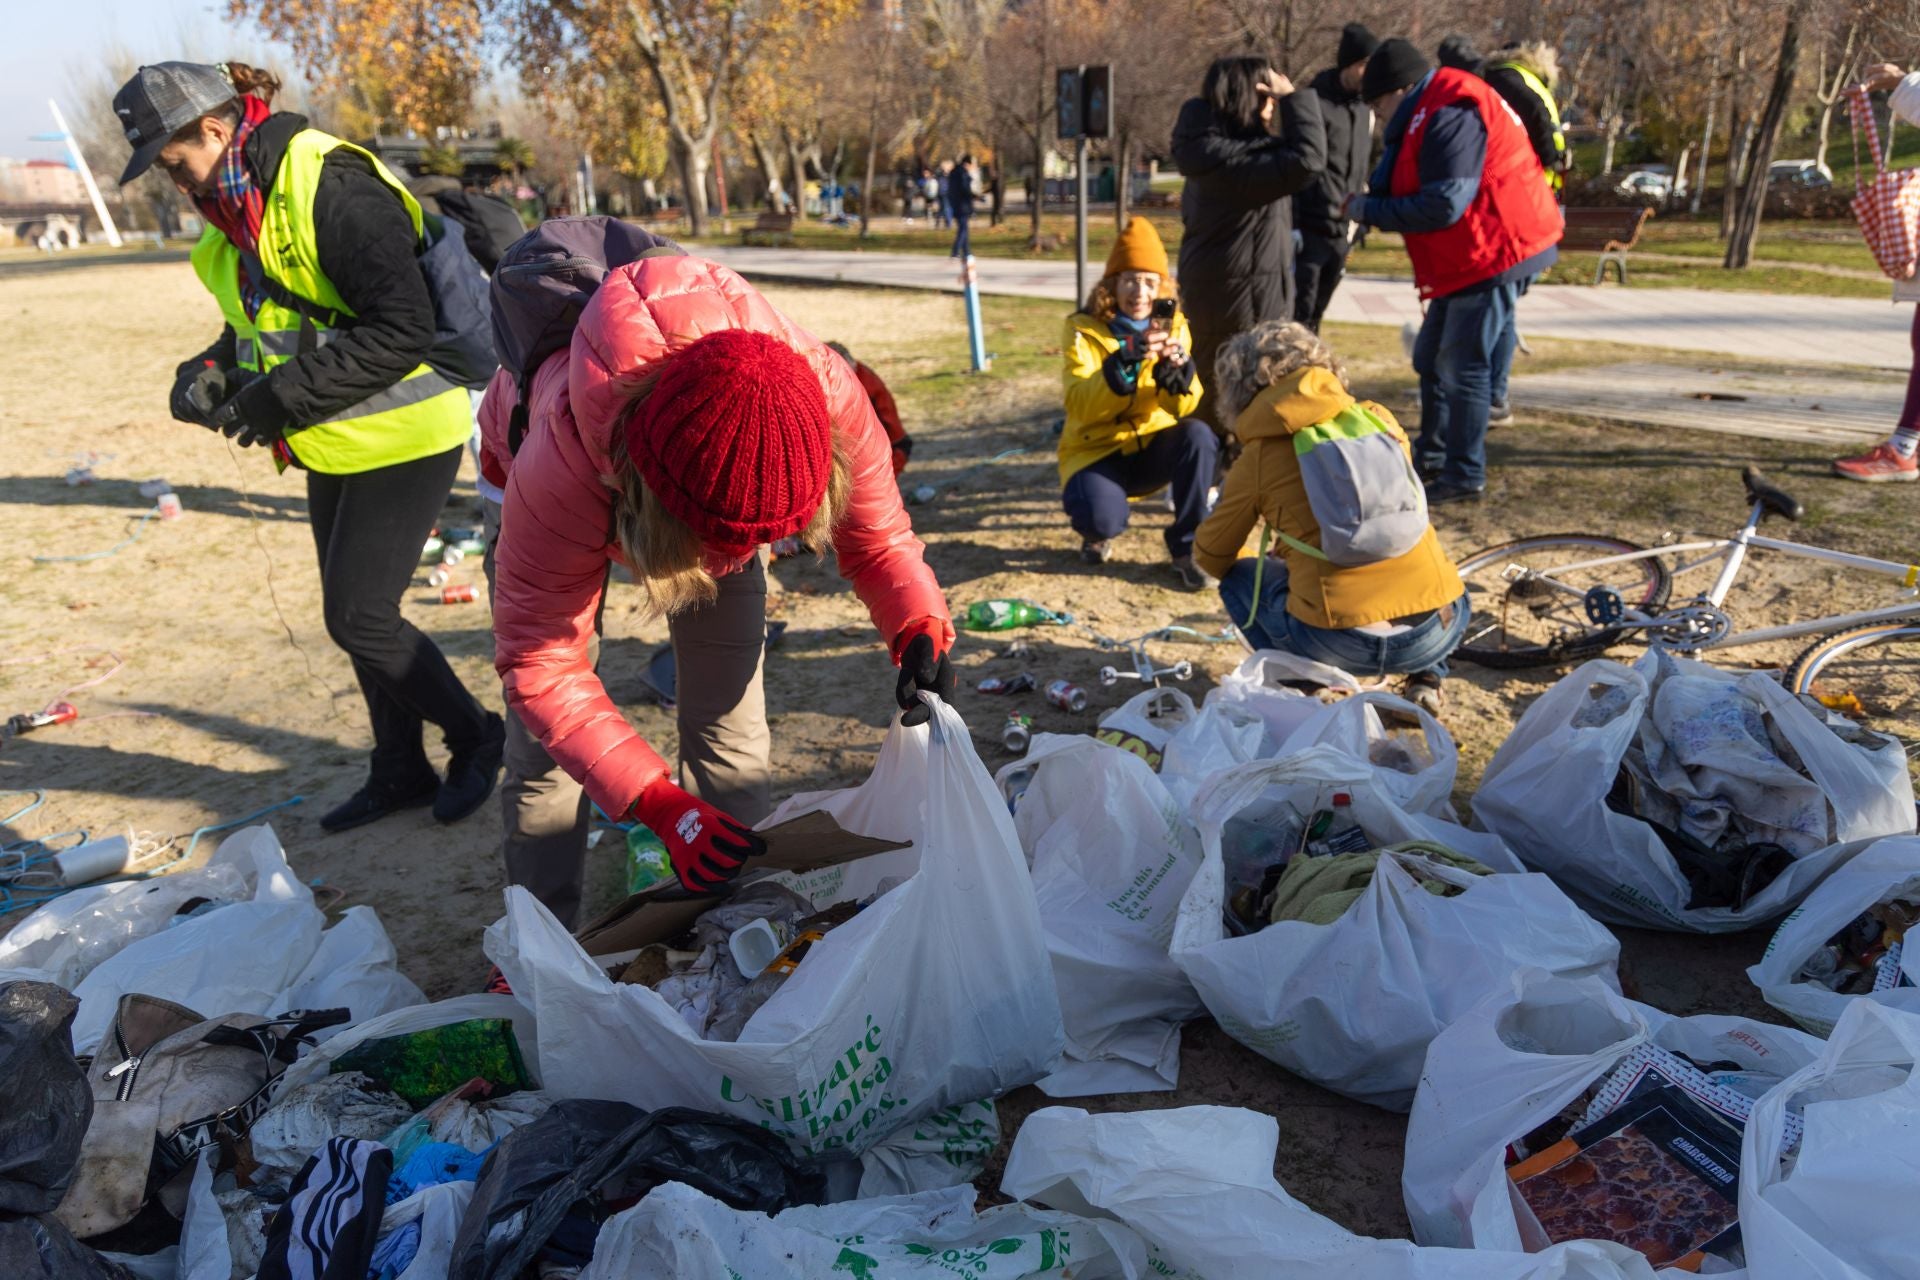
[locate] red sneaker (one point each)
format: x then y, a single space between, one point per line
1878 465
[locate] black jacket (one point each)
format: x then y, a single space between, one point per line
1236 254
960 192
1316 210
368 252
1533 114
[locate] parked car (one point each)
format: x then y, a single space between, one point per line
1809 174
1650 182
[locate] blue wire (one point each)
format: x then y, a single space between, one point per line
223 826
39 798
115 549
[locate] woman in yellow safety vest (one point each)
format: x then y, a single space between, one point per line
311 253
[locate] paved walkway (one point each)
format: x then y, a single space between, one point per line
1788 328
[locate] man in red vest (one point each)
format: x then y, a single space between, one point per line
1460 181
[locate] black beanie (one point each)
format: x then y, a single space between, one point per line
1458 50
1396 64
1356 44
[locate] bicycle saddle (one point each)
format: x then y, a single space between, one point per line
1776 500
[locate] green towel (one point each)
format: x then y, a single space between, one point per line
1319 890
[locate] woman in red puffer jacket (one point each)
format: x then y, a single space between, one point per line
688 426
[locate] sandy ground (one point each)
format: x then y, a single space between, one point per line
245 703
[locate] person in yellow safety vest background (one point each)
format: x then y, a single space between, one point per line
1525 76
301 224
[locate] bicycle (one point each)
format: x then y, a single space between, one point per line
1563 597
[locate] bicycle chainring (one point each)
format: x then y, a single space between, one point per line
1694 626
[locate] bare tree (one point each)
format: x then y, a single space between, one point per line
1750 203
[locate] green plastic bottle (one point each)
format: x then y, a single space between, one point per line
1005 615
647 860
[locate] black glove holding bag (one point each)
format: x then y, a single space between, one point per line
253 415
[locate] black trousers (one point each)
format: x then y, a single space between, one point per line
368 530
1317 269
1182 457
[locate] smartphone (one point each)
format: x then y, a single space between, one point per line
1162 313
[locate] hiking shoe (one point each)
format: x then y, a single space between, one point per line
1423 691
1191 576
1440 493
373 802
1096 551
1498 412
470 774
1878 465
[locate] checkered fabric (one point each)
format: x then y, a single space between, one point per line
1887 205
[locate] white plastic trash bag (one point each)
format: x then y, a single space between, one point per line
1146 722
70 936
1708 734
1220 736
1412 754
678 1231
1352 1005
1526 1054
1841 1207
937 993
1112 854
354 968
944 1149
1197 1184
419 1017
1888 869
1283 689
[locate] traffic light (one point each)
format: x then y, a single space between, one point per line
1069 122
1097 108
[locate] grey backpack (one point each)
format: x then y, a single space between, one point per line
542 284
1362 488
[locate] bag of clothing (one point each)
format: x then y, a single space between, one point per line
1840 1205
938 992
1294 992
1849 934
1674 795
1540 1057
1196 1183
1112 854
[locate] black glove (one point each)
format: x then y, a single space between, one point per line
253 415
923 665
1174 379
1122 371
197 393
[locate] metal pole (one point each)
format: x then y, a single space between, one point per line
86 174
1080 222
976 333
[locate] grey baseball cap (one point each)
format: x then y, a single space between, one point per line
161 100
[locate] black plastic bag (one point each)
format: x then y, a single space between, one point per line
36 1247
584 1155
48 1103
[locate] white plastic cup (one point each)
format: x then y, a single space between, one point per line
754 947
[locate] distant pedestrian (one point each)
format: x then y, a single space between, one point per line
1325 233
997 186
1894 459
1526 76
1459 52
1460 181
1236 256
960 193
935 185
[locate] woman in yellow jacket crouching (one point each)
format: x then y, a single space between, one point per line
1131 388
1283 390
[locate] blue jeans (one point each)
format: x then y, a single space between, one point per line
1454 356
962 243
1181 457
1508 344
1422 648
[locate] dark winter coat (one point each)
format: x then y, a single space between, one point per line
1534 114
960 192
368 252
1316 210
1236 254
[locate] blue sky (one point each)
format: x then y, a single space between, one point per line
50 45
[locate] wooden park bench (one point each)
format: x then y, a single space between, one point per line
1610 231
769 229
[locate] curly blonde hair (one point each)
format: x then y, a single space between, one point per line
667 557
1252 361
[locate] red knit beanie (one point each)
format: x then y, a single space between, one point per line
734 440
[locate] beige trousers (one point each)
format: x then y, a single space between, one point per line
719 655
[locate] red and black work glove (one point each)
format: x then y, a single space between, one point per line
922 651
707 848
253 415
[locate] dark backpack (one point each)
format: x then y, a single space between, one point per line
492 225
542 284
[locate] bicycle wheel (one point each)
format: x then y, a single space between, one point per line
1532 624
1870 674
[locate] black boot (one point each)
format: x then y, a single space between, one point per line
376 800
471 772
